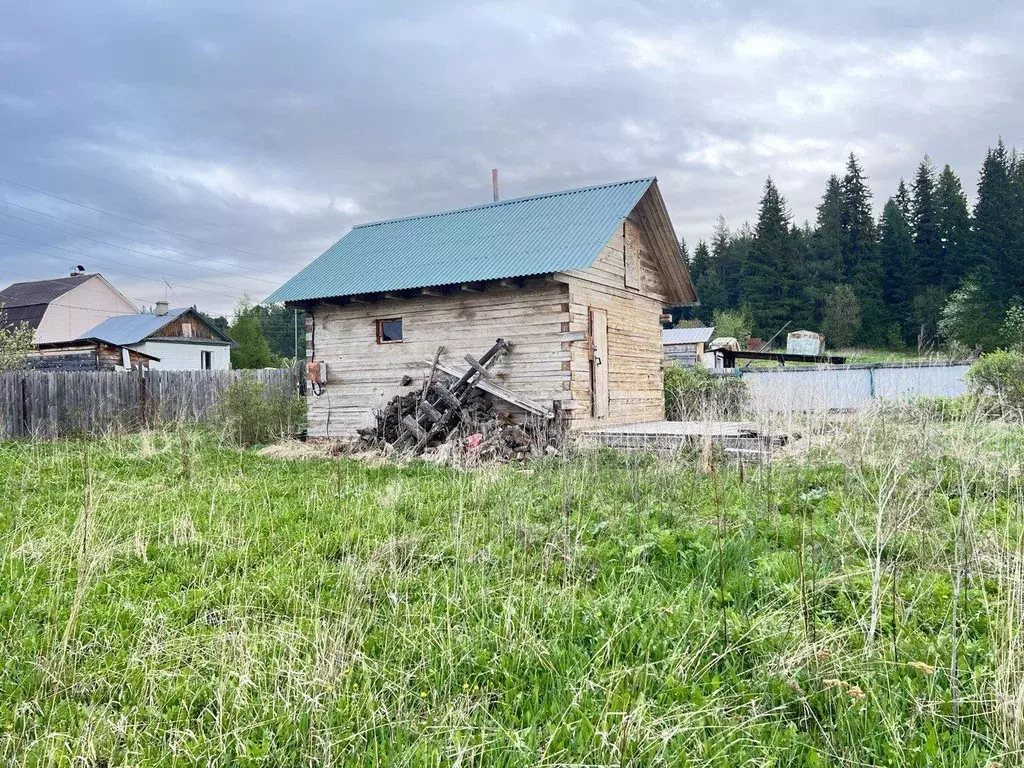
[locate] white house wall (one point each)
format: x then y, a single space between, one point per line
82 308
177 356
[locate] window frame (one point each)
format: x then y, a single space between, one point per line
380 330
205 356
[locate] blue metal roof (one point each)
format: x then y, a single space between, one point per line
535 235
131 329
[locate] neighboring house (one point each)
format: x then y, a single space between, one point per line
88 354
176 339
685 346
576 280
63 308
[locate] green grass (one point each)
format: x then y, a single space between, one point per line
166 602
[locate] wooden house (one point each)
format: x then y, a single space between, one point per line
175 339
88 354
577 281
63 308
685 346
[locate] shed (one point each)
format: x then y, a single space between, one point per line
576 280
177 339
87 354
685 346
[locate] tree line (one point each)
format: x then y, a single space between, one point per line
265 336
928 271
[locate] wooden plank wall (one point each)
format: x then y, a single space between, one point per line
46 405
363 375
635 354
681 354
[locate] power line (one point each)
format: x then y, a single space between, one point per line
118 263
126 248
144 224
130 239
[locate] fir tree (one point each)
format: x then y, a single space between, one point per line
728 260
861 264
768 278
896 248
825 251
925 224
954 222
903 199
707 283
996 229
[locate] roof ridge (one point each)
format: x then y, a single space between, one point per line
510 201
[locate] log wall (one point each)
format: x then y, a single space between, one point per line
547 321
636 382
363 375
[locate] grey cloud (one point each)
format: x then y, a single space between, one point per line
273 127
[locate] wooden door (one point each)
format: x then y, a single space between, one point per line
599 362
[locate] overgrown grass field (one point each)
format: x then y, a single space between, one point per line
167 602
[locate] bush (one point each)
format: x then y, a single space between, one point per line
999 376
697 394
247 414
735 324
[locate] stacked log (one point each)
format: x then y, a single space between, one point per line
482 431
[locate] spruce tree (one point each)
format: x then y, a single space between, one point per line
925 224
728 260
896 248
825 250
954 222
768 279
995 230
861 263
903 199
708 284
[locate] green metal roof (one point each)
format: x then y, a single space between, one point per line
511 238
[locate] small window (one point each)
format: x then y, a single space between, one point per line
206 360
389 331
186 330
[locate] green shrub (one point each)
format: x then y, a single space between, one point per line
249 414
999 376
696 394
946 408
734 324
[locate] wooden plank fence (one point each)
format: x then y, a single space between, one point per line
46 405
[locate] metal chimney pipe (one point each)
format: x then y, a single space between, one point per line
494 183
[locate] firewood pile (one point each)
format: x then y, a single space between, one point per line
454 415
483 431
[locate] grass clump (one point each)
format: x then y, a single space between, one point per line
248 413
694 393
860 607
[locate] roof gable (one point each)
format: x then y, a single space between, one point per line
526 236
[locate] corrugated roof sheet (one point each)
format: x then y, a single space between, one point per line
687 335
513 238
39 291
131 329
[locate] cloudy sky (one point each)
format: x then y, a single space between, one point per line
233 142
